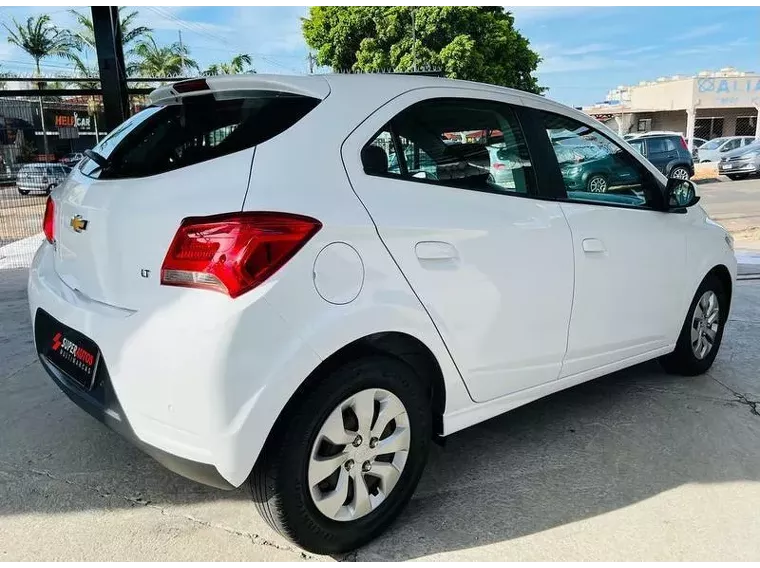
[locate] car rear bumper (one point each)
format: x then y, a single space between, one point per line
102 404
26 186
194 378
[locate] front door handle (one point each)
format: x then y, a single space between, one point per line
435 250
593 245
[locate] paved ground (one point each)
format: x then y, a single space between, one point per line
736 206
636 466
20 215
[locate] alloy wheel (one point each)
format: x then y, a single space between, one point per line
704 324
679 173
597 184
359 454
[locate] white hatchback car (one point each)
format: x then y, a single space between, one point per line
251 280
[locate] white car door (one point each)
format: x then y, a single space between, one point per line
491 263
629 256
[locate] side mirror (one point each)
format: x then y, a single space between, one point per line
680 194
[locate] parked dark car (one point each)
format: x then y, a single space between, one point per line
668 153
590 168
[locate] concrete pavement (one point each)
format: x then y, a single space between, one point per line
638 465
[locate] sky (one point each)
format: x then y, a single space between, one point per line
585 51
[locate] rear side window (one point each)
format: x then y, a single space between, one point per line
659 145
464 143
164 138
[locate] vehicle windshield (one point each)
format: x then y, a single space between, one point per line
713 144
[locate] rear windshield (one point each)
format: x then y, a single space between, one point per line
202 127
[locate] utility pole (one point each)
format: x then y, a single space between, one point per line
181 53
312 60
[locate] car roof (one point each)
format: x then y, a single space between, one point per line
368 89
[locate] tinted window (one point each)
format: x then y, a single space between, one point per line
200 128
596 169
731 145
637 145
713 144
464 143
658 145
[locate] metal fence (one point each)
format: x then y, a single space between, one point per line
41 138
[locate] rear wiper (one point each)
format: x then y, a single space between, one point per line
97 158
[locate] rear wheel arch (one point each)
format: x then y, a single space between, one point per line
398 345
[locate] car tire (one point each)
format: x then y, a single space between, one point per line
735 177
596 183
685 359
679 172
23 191
282 482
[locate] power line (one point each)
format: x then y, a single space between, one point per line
199 30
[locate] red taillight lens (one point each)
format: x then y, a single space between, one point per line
684 144
234 253
498 166
47 220
191 85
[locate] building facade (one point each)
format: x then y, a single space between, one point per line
708 105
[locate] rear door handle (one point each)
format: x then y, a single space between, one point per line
593 245
435 250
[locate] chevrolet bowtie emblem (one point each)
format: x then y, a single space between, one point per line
78 224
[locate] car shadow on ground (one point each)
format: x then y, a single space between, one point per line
592 449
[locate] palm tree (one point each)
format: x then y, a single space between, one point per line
129 34
162 61
40 39
232 68
84 38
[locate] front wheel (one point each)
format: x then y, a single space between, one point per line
702 331
346 456
597 184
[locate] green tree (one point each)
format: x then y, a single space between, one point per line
84 39
40 39
85 35
162 61
464 42
235 66
81 69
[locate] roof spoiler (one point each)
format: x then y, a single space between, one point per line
310 86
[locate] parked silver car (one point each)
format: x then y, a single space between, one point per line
716 148
40 178
741 162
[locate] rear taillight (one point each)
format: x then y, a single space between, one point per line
234 253
497 166
191 85
47 220
684 144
